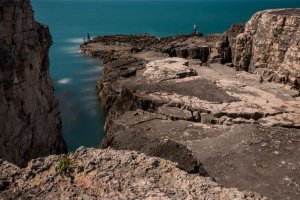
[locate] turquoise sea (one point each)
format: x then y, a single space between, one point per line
75 75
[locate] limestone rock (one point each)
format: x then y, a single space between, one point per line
168 68
270 46
30 124
110 174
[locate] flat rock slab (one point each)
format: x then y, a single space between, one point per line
230 97
266 157
202 89
168 68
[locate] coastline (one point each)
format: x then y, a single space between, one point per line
188 117
188 99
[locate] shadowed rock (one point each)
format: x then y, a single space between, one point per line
30 123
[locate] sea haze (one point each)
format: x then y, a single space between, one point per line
75 75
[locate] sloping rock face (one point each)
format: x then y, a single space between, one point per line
30 123
110 174
270 46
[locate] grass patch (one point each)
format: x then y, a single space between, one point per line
65 164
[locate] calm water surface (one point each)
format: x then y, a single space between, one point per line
74 75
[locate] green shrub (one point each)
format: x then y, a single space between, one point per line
65 164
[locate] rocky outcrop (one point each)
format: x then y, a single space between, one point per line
30 124
270 47
109 174
219 123
170 100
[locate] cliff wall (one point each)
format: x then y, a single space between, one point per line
270 46
30 123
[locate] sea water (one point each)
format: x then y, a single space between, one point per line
75 75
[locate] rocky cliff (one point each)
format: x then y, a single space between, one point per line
174 98
109 174
30 123
270 46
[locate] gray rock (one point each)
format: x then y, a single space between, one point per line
175 113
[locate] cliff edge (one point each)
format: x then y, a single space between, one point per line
30 123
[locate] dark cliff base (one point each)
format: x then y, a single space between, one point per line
182 99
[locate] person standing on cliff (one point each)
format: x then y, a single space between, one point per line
88 37
195 28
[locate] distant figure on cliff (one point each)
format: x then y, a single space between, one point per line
88 37
195 29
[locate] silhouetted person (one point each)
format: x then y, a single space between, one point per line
88 37
195 29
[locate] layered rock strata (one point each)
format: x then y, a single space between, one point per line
110 174
30 123
173 98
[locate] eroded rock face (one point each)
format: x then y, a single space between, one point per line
270 46
110 174
30 123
